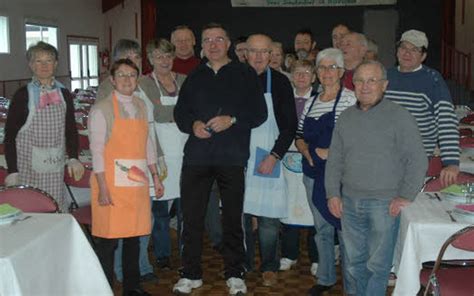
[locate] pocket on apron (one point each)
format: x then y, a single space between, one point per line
47 159
130 173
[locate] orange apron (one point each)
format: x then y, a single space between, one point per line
125 166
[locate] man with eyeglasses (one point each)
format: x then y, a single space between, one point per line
423 92
183 39
376 166
354 48
265 185
218 105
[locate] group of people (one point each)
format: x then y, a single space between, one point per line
324 139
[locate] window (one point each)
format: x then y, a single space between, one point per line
83 62
35 33
4 38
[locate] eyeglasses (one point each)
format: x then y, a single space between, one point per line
160 57
261 51
122 75
213 40
329 68
241 50
302 73
410 50
370 82
44 62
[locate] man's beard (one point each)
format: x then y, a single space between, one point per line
302 54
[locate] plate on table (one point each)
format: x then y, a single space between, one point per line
464 213
457 198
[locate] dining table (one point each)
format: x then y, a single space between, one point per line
48 254
424 227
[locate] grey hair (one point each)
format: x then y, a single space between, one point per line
376 63
162 45
123 46
362 39
41 46
372 46
333 54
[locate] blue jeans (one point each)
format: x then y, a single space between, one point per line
213 222
143 261
290 242
369 234
324 239
268 238
161 228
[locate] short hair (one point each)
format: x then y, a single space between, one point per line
342 25
161 44
372 46
269 39
334 54
240 39
278 45
123 46
306 31
302 64
41 46
182 27
376 63
121 62
215 26
360 37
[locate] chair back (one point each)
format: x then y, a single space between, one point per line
29 199
434 166
82 182
3 175
434 185
465 241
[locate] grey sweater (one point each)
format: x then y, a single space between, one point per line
376 154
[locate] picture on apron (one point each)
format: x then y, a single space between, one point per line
130 172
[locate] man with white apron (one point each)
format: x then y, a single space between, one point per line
265 185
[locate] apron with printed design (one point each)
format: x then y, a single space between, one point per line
266 197
40 146
127 180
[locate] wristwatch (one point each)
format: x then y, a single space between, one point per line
233 120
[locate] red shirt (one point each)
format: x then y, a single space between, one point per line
347 79
185 66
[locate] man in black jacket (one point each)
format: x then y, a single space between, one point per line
218 105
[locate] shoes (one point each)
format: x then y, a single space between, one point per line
185 286
314 268
269 278
163 263
286 263
392 279
236 286
136 292
317 290
148 277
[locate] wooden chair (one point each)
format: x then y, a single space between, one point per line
434 184
451 277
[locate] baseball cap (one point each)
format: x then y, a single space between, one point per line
415 37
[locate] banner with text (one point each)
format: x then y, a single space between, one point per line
308 3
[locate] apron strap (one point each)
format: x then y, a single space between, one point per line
115 103
338 97
269 81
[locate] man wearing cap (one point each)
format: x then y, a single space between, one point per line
424 93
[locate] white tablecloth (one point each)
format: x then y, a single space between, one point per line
48 254
424 227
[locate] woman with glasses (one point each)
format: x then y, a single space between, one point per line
312 140
123 150
165 84
41 129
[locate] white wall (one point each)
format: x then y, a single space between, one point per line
72 17
464 32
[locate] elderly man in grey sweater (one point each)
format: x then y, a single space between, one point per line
376 166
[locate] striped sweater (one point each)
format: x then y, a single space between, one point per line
425 94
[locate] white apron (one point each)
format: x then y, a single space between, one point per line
264 196
298 210
172 142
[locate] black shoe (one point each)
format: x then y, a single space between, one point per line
317 290
163 263
136 292
148 277
219 248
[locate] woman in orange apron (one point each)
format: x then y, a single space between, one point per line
122 149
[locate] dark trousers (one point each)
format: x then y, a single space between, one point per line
105 249
196 183
290 242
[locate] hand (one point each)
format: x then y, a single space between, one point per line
308 157
220 123
75 169
397 204
335 206
267 165
199 130
159 188
303 149
322 153
162 168
104 196
12 179
448 175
